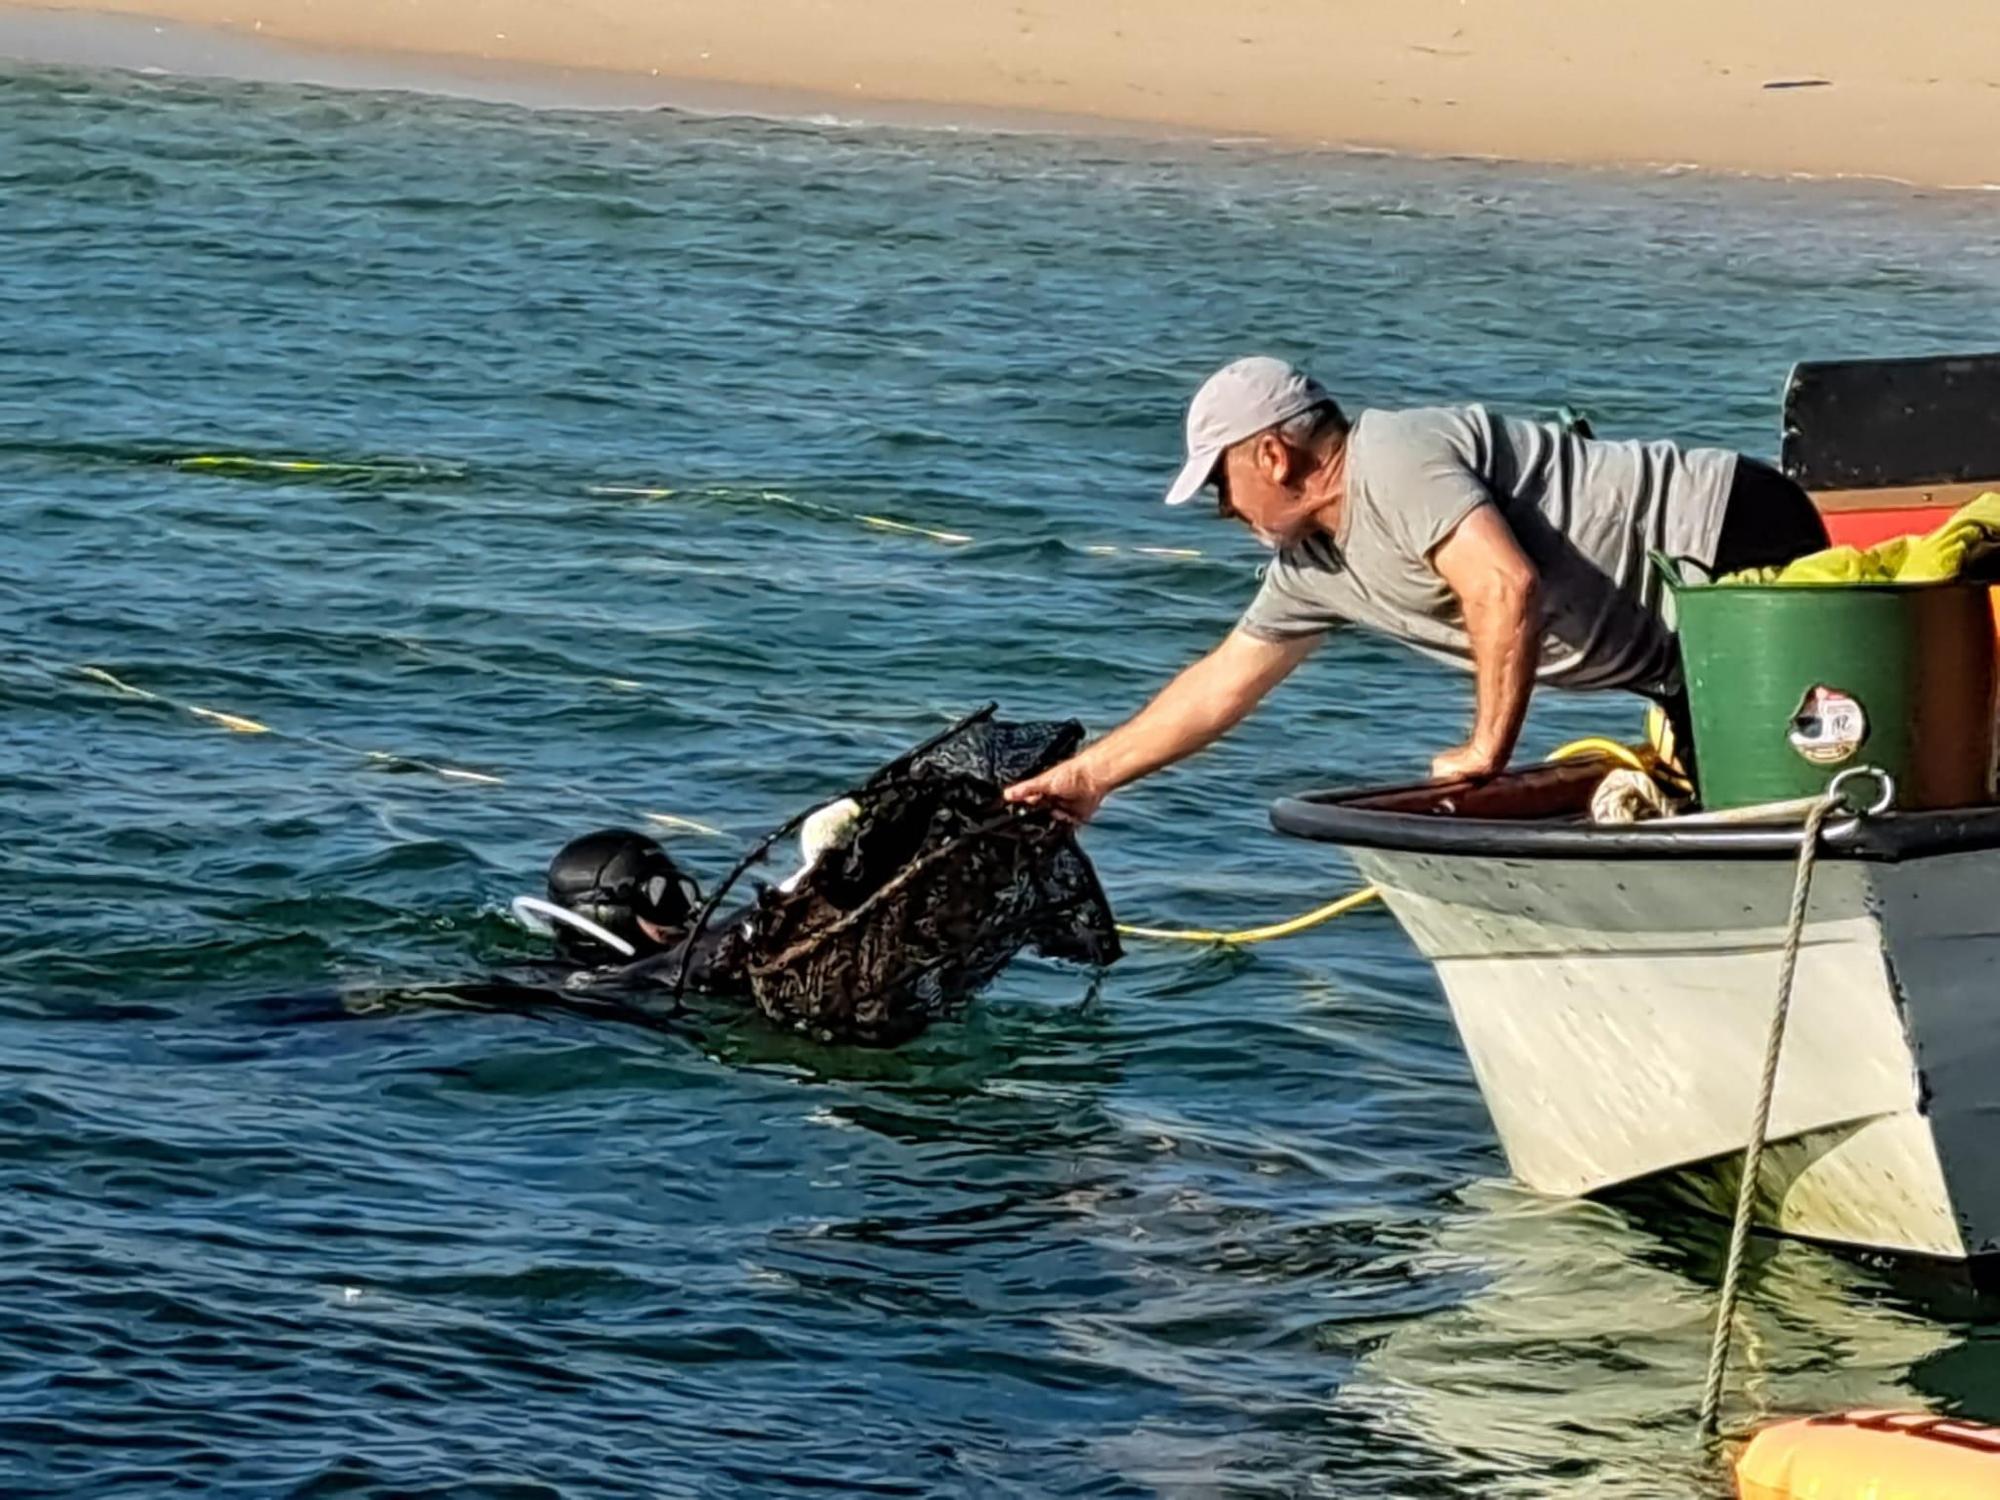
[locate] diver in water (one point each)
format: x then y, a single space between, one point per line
624 884
617 900
913 893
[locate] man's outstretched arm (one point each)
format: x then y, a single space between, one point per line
1198 707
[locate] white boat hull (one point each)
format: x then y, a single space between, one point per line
1615 1012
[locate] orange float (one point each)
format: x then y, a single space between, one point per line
1872 1455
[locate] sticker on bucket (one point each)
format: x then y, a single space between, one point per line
1829 727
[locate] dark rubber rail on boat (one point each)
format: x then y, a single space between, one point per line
1330 817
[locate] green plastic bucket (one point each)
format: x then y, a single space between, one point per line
1788 685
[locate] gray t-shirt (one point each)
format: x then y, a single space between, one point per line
1586 513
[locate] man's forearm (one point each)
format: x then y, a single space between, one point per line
1199 706
1504 624
1499 594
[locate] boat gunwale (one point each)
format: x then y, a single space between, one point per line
1321 817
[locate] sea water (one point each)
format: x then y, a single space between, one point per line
395 486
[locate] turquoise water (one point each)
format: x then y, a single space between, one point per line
279 1218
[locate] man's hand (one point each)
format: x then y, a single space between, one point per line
1068 790
1467 763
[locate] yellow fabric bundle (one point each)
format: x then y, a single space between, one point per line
1968 537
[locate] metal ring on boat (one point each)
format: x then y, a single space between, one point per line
1838 787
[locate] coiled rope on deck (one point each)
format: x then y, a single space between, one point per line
1646 759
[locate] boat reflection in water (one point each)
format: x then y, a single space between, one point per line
1574 1365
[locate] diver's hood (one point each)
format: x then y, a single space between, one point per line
619 883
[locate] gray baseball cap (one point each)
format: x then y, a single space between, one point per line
1239 401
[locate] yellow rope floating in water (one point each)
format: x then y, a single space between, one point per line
1646 760
118 684
1102 550
883 523
240 724
248 464
879 523
1353 901
237 463
862 518
245 465
234 723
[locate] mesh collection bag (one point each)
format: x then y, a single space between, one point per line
937 886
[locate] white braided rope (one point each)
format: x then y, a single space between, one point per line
1753 1151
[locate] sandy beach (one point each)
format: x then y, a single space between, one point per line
1821 87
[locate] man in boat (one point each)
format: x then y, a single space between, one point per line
1517 550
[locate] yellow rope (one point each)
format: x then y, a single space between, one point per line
245 464
240 724
1646 759
878 523
1326 913
1609 749
250 466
